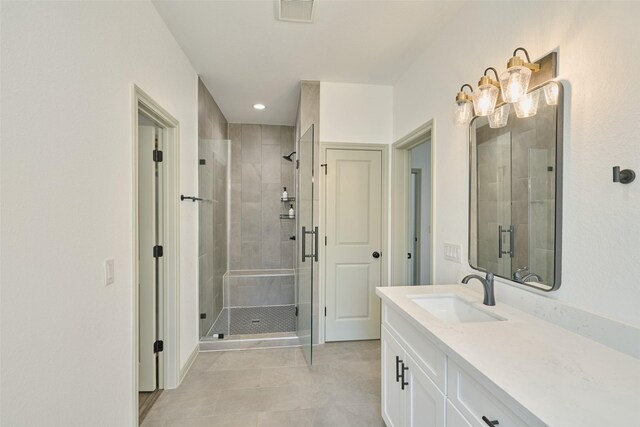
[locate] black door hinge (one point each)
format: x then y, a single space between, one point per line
157 155
158 346
325 311
325 240
203 162
297 164
203 315
296 311
157 251
324 165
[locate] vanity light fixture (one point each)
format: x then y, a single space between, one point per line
463 111
500 116
493 98
514 82
486 95
527 105
551 92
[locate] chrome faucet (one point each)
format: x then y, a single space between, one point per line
522 276
487 283
532 275
517 276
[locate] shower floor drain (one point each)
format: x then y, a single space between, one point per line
256 320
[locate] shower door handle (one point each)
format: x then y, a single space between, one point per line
304 244
315 238
511 250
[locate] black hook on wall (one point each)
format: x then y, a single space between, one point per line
624 176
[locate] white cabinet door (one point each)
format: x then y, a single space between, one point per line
425 404
392 394
455 418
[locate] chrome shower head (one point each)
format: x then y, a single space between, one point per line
288 156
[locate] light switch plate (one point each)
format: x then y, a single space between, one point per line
453 252
109 273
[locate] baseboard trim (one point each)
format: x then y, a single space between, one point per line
187 366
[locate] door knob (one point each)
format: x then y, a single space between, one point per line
376 254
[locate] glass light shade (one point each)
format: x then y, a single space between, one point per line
514 83
527 105
484 99
499 117
463 112
551 92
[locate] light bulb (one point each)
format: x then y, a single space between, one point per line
527 105
484 99
499 117
551 92
514 83
463 112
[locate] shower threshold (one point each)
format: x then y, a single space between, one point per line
252 327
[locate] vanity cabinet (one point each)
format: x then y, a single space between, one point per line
409 397
422 386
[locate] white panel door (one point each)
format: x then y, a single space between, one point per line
354 240
146 261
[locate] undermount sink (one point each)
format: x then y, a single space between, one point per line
453 309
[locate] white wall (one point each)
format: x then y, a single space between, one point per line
598 56
356 113
66 174
421 159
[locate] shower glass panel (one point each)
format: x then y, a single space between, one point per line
541 210
213 172
496 234
305 243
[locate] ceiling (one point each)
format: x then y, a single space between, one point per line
245 56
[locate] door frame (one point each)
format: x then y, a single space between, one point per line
400 171
322 276
170 325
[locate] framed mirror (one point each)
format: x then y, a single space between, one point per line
515 191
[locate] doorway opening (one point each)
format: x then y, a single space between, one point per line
418 251
412 208
155 235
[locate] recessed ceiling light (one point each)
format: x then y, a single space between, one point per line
259 106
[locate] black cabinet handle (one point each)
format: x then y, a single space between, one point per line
489 422
398 362
404 383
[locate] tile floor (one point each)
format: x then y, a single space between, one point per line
274 387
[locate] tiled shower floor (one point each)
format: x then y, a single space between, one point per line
255 320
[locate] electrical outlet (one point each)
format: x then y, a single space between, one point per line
109 271
453 252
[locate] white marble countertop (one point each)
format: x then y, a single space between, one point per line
562 378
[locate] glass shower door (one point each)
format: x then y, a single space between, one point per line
496 232
306 238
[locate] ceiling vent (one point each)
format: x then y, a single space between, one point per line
296 10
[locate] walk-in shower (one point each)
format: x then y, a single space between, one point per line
250 292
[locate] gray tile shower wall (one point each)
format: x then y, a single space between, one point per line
259 238
213 149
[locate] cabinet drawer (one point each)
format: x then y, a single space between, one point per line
430 359
474 401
